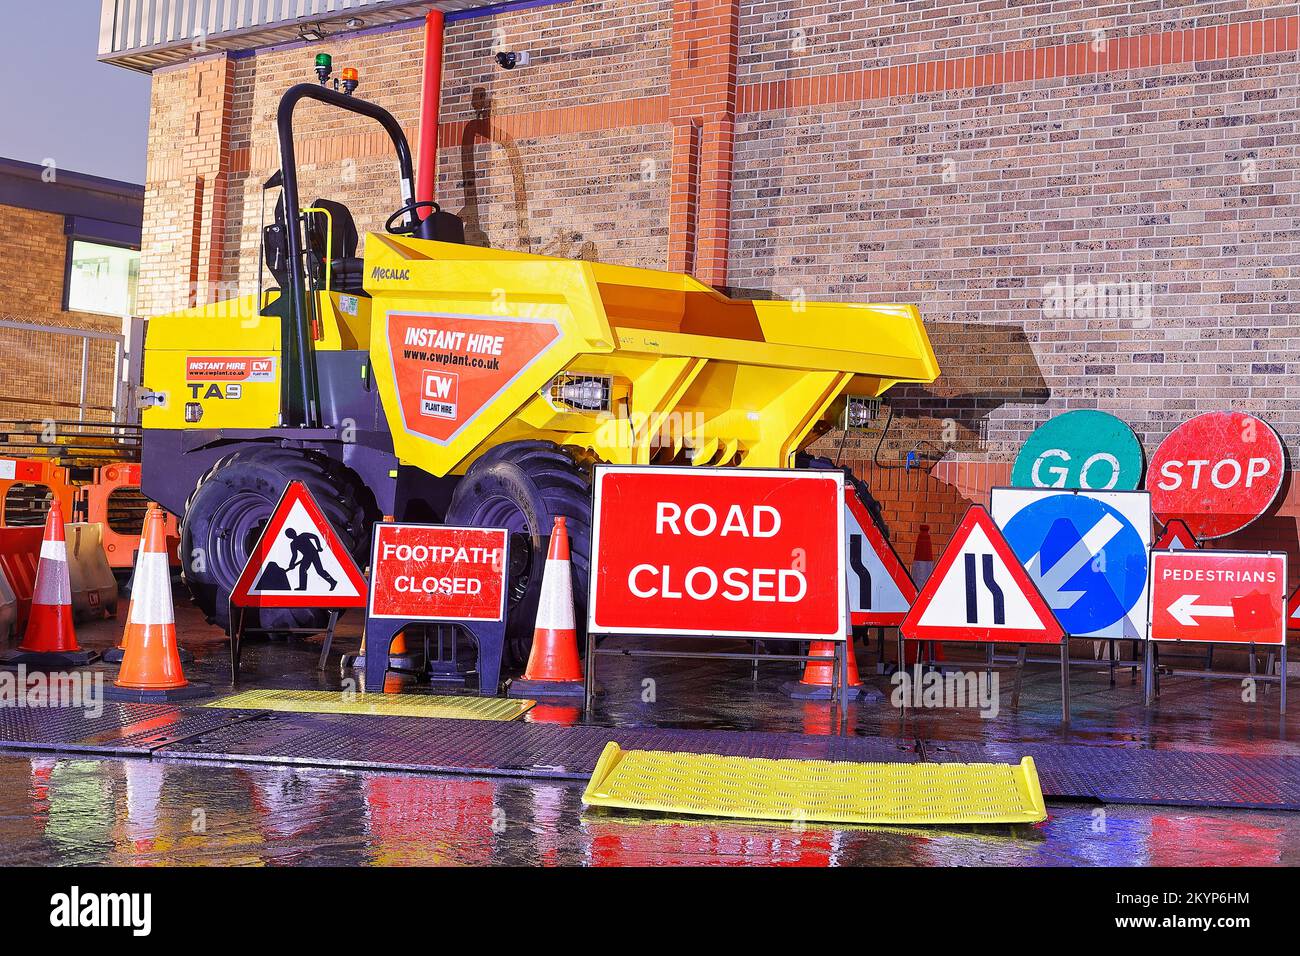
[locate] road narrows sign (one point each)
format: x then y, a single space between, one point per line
1218 472
1218 597
880 589
426 572
1083 449
742 552
979 592
299 560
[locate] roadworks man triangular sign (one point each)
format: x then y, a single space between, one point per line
880 589
980 592
299 561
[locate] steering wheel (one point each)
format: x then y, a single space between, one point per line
409 228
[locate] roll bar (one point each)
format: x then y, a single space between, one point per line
299 385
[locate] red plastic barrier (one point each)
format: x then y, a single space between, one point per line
20 550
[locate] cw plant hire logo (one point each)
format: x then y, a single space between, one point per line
380 272
74 909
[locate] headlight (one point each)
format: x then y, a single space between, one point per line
590 393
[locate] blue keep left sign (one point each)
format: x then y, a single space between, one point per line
1086 551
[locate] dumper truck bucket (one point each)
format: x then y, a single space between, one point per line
473 347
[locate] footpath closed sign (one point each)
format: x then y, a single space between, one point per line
718 551
422 572
1220 597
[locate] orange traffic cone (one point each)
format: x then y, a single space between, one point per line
818 675
553 667
114 655
400 657
50 639
151 667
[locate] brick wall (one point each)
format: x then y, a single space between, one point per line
977 158
42 371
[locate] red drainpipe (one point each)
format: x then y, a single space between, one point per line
426 171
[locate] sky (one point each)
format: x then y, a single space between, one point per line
59 102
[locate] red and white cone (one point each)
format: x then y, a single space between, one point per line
553 667
50 640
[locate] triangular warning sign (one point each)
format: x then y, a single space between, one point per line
980 592
1293 611
299 561
880 589
1176 537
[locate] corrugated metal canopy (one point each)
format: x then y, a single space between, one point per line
147 34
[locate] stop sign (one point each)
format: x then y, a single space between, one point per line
1217 472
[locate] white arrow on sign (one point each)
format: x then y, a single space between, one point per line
1185 610
1051 581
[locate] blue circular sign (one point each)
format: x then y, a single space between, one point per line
1087 559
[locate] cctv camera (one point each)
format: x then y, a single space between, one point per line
508 59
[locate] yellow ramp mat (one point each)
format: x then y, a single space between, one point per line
381 705
805 790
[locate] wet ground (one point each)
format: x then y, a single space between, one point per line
76 810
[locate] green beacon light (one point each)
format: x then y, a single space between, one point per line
324 67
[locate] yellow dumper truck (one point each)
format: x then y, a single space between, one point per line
435 381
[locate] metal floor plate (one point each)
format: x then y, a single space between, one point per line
480 747
121 729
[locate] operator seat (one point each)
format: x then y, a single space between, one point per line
337 234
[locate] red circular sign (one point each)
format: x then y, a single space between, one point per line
1217 472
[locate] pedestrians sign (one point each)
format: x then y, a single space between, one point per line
1220 597
979 592
299 560
1082 449
1218 472
1176 537
880 589
1086 551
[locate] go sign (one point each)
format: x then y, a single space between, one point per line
1082 450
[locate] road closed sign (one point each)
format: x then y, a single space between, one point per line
1217 472
1219 597
422 572
718 551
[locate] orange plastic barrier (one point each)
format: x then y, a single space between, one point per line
112 501
32 471
20 550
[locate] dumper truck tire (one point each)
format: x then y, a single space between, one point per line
231 504
523 486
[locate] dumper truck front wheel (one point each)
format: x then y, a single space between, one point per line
523 486
232 503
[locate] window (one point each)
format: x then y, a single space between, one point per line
101 278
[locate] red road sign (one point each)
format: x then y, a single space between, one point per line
1175 537
428 572
1219 597
980 592
299 560
1218 472
880 589
1293 611
726 551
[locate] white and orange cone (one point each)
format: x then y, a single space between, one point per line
114 655
553 667
819 676
50 639
151 666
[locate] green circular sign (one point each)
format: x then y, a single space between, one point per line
1083 450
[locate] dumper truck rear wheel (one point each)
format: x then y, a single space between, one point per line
523 486
225 514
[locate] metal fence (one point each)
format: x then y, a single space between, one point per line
68 393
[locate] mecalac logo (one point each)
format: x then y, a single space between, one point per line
379 272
